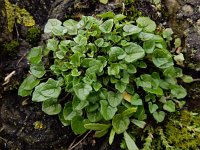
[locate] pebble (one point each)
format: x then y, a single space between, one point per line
187 10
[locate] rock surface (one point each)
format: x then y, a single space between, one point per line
23 125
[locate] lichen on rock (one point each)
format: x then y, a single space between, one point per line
14 12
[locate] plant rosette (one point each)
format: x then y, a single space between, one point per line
103 74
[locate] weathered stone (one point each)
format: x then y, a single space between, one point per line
187 10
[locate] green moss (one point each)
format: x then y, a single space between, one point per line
11 47
181 132
15 14
33 35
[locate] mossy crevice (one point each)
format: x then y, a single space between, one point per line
181 132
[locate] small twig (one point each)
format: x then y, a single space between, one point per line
17 31
2 128
62 99
196 80
8 77
21 59
72 147
3 139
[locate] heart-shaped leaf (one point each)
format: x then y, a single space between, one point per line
152 107
120 123
77 125
159 116
107 111
169 106
106 27
82 90
114 99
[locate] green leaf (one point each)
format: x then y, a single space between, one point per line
136 100
94 116
157 91
131 69
76 59
81 40
97 126
178 91
179 59
146 36
71 26
75 72
124 43
187 79
119 17
115 38
52 44
35 55
38 70
45 91
51 107
159 116
146 23
51 24
103 1
129 112
162 59
112 136
92 107
77 125
120 86
120 123
100 133
152 107
116 53
106 27
140 113
131 29
114 99
60 54
167 33
139 123
149 46
125 78
109 14
69 113
177 42
134 52
58 30
99 42
82 90
113 69
107 111
62 120
78 104
169 106
97 86
130 142
27 85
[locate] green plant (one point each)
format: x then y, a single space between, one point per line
11 47
33 34
107 75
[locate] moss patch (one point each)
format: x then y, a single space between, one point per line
33 35
11 47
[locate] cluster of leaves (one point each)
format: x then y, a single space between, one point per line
115 73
